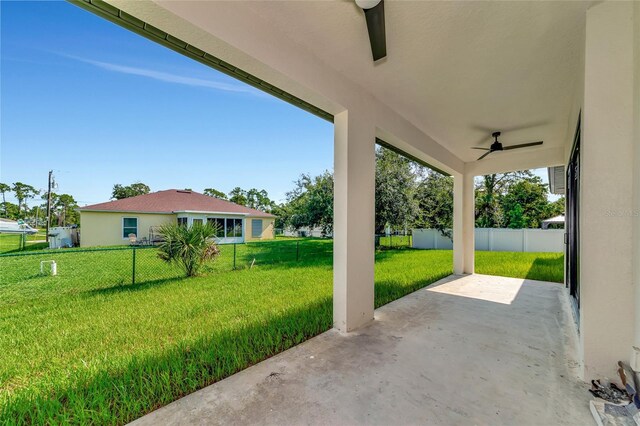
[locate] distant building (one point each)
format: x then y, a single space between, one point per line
113 223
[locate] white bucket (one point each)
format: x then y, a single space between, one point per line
53 270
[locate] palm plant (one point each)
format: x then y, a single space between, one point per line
188 247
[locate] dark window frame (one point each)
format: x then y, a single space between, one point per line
125 234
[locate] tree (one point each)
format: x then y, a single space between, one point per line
310 203
259 200
67 210
525 203
489 191
282 213
4 188
237 195
23 192
211 192
556 208
253 198
435 203
13 211
395 190
189 247
516 218
53 212
64 209
120 191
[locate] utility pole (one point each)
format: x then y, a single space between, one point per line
50 185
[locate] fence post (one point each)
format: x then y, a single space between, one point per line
490 238
297 250
234 256
133 269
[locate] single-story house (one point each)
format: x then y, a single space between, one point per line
112 223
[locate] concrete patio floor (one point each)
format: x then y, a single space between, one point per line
466 350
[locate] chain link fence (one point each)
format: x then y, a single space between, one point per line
141 264
113 266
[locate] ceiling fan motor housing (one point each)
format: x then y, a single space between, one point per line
496 146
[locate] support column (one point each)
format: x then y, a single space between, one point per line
635 352
458 240
463 224
354 221
606 172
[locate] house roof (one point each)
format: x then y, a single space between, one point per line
555 219
174 201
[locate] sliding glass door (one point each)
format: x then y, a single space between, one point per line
572 223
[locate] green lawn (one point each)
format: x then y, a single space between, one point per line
395 241
534 266
11 242
87 346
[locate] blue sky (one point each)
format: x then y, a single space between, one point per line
100 105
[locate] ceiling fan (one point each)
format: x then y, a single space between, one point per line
374 14
497 146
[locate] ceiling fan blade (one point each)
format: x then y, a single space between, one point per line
484 155
375 27
484 140
522 145
477 147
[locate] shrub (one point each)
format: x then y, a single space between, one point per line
189 247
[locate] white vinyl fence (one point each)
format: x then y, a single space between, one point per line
497 239
304 232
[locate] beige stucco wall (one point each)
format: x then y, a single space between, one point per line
105 228
607 305
635 357
267 229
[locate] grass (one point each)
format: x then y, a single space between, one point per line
395 241
534 266
80 351
11 242
87 346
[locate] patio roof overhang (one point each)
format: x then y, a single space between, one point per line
455 71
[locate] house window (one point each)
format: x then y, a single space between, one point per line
234 228
218 223
197 222
256 228
129 226
182 221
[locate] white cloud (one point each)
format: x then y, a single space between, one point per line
171 78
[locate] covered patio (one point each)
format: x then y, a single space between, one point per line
472 349
563 73
466 350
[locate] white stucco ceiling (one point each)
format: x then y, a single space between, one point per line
456 70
